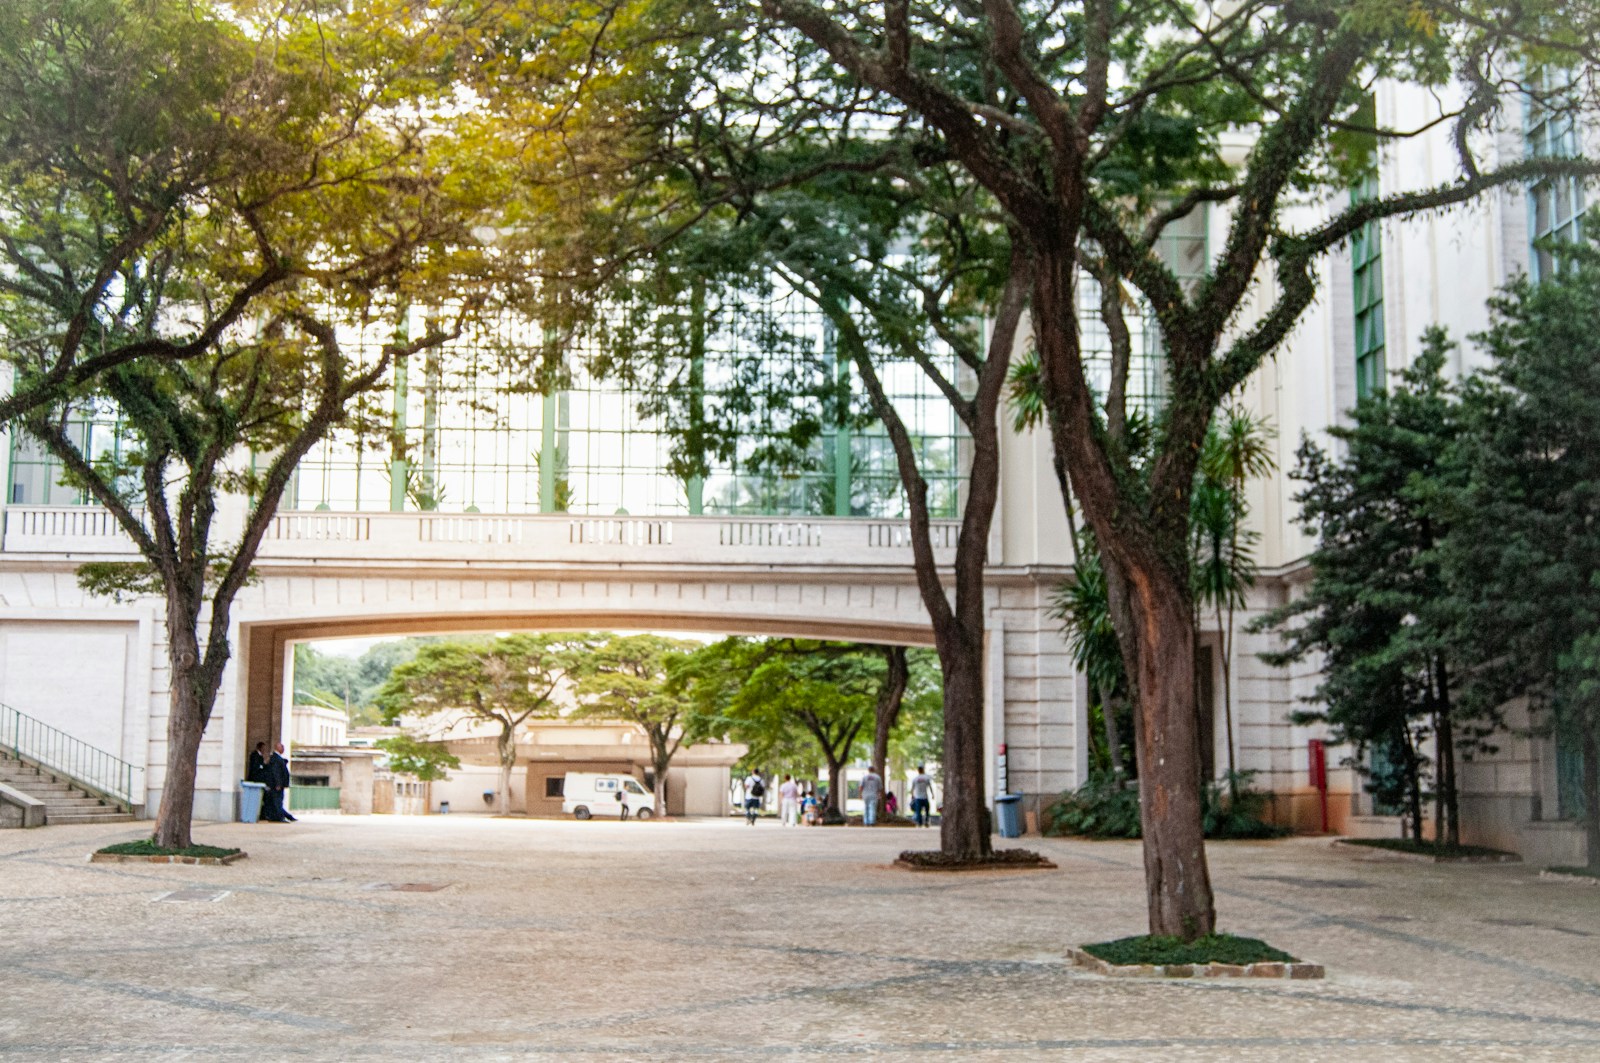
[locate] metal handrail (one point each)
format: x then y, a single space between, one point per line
52 749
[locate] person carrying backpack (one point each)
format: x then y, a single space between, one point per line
754 791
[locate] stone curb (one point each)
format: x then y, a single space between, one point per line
129 858
1297 970
1560 876
1424 858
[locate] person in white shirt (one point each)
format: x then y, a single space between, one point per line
789 802
754 791
921 796
871 794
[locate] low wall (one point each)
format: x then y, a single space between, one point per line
17 809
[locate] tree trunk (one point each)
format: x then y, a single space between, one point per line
185 727
964 822
1413 785
508 761
887 713
661 761
1591 795
1177 879
833 812
958 626
1449 791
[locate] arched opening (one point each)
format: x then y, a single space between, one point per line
547 749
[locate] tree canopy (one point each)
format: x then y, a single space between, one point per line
504 681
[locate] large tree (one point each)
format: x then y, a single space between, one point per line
504 682
140 144
323 210
625 678
1523 551
1095 127
765 692
1377 613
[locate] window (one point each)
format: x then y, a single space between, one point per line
1184 248
1555 205
633 787
1569 778
308 780
1366 264
555 785
605 785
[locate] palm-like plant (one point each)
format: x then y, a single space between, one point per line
1084 609
1236 450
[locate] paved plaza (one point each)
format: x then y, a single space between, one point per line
710 939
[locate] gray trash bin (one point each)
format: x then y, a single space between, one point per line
250 795
1008 810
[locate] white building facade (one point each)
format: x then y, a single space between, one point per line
590 536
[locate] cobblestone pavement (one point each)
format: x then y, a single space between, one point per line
684 940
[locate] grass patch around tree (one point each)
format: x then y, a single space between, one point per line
1426 848
1581 872
1157 949
148 847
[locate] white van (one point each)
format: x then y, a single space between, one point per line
588 794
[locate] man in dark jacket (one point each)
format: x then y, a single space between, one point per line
277 788
258 764
257 773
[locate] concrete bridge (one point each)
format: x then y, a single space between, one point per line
97 668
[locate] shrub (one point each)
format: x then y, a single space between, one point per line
1099 809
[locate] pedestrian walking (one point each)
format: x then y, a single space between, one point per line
921 796
871 794
754 791
789 802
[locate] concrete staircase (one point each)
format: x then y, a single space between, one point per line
65 803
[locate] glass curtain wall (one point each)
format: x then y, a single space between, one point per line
1555 205
464 429
1184 245
1366 267
35 476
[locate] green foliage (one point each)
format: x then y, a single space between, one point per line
351 683
124 581
1212 948
1236 451
780 695
625 677
1377 613
1102 808
1523 554
505 680
424 761
791 699
918 736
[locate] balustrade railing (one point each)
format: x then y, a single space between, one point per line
36 742
332 536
